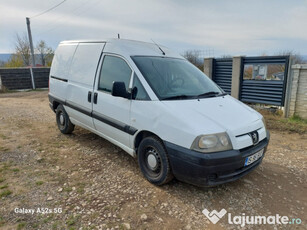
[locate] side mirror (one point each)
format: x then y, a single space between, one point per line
134 92
119 89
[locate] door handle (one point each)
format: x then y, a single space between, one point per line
95 98
89 96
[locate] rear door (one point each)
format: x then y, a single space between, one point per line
111 115
81 83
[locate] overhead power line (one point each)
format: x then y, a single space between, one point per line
48 9
76 11
57 18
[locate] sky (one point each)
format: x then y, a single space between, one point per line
217 27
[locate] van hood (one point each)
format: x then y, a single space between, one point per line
215 114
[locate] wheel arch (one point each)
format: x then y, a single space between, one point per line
141 135
55 104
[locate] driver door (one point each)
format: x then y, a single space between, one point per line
111 114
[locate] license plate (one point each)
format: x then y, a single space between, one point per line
251 159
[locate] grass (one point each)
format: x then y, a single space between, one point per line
4 149
3 137
21 225
39 182
46 220
55 226
1 221
111 208
80 188
2 180
72 220
275 121
297 119
67 189
4 186
35 225
5 167
5 193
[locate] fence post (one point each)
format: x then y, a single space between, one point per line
295 77
0 83
236 76
208 67
32 78
288 88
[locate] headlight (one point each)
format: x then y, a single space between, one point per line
212 143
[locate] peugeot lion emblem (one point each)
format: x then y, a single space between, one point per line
254 136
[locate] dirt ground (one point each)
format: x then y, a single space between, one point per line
88 183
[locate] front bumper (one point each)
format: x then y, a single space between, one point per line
210 169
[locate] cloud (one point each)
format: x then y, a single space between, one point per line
229 27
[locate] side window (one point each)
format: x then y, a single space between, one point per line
113 69
141 93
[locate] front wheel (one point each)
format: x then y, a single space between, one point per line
153 161
63 121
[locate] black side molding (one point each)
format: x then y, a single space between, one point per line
79 109
114 123
105 119
58 78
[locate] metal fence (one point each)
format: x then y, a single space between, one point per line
263 80
222 73
22 78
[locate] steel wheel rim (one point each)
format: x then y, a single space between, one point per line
152 162
62 120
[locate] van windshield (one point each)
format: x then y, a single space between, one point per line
176 79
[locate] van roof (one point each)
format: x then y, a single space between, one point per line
129 47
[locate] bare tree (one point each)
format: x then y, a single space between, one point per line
45 53
226 56
297 58
22 47
194 56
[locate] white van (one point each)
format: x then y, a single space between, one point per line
156 106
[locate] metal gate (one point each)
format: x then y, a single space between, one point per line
222 73
258 83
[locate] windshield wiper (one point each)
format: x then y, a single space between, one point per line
211 94
178 97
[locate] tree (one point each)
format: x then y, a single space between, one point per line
194 56
22 48
22 55
296 58
226 56
45 53
14 61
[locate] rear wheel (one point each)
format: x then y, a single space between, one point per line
63 121
153 161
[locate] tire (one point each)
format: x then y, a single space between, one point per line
153 161
63 121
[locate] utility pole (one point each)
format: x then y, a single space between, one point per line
30 40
